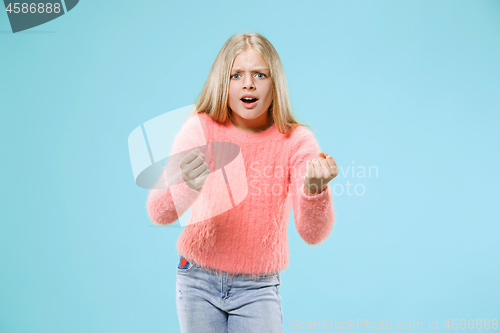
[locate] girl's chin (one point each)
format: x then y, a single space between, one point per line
249 114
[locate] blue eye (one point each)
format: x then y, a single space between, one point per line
263 75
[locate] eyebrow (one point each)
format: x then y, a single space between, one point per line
255 69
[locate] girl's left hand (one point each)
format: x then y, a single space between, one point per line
319 173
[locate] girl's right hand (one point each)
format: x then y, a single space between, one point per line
194 169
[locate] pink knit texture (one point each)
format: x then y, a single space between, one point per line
250 237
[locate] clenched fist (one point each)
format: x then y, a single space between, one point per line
194 169
319 172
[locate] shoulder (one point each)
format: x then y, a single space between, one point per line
193 123
303 145
202 119
192 132
195 118
197 122
300 135
203 127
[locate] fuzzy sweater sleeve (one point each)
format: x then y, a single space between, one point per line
314 215
165 206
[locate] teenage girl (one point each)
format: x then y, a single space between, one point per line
233 249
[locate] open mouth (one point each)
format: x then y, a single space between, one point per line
249 100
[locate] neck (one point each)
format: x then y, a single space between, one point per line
253 125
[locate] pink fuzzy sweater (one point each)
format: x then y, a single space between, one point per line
239 218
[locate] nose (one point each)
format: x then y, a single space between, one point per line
248 82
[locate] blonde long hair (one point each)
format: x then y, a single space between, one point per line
214 95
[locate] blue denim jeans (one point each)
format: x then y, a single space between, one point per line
219 302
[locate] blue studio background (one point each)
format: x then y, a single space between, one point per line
408 88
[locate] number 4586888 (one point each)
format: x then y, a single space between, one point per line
472 324
33 8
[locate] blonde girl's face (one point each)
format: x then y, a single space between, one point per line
250 75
